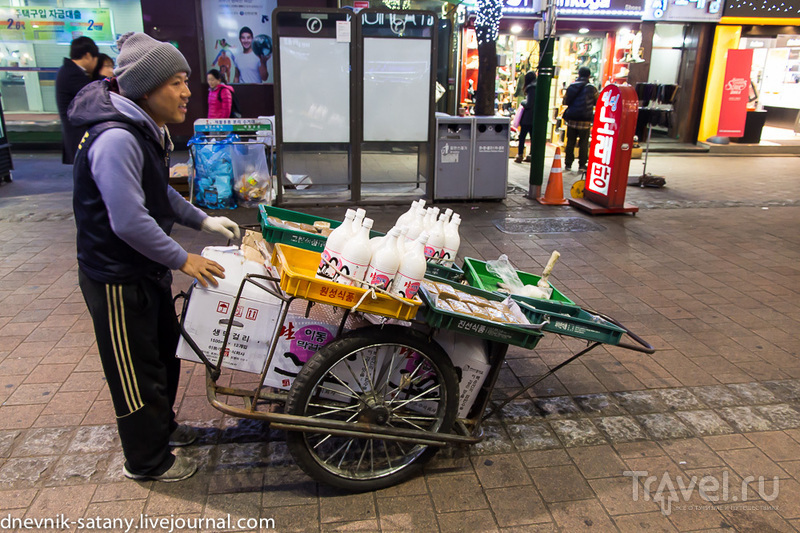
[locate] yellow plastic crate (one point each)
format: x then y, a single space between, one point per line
298 269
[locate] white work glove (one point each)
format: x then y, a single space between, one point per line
222 225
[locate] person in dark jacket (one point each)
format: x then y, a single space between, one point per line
74 75
124 211
526 121
580 99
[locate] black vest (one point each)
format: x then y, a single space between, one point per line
102 255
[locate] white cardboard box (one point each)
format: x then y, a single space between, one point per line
468 355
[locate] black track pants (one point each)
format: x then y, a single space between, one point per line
137 335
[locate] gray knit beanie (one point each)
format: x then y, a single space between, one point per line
145 63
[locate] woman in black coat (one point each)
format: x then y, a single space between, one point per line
526 121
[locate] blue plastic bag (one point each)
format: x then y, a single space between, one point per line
213 177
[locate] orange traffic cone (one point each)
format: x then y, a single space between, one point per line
554 194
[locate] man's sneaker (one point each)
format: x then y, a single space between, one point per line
182 436
181 469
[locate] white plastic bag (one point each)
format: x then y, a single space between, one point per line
251 174
503 268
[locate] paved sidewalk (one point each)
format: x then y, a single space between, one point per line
714 288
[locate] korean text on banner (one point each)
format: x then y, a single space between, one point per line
735 93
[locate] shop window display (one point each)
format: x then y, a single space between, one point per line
30 62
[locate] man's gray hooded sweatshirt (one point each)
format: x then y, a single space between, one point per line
124 206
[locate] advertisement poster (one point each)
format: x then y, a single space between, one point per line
735 93
238 37
55 24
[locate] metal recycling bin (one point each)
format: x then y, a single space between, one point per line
454 141
490 158
6 165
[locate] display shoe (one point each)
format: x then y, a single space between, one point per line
182 436
182 468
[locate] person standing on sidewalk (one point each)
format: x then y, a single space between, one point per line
580 99
74 75
526 121
124 211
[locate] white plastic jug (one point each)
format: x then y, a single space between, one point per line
335 245
412 268
385 261
356 255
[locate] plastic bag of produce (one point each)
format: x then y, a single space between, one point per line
251 174
213 176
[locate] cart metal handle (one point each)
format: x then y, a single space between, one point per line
645 347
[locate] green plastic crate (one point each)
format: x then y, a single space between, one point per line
572 321
478 276
300 239
477 327
316 243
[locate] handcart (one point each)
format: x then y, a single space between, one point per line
367 410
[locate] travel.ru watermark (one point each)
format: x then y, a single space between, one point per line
667 489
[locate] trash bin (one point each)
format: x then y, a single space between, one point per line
453 157
490 167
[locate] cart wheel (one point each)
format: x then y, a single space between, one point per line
390 376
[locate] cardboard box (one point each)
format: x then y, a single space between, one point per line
210 308
468 355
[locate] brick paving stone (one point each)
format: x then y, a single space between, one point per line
50 502
44 441
496 440
776 444
744 419
478 521
456 493
560 483
7 439
753 393
581 432
585 515
597 461
407 513
519 411
679 399
533 437
664 426
785 390
78 469
238 505
184 498
717 396
704 423
619 429
95 439
534 459
782 416
287 487
691 453
39 393
514 506
556 407
122 490
752 462
500 471
295 519
640 402
598 405
727 442
617 495
752 520
19 416
651 522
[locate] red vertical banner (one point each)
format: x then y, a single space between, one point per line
610 152
735 92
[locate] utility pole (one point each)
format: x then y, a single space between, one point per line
541 108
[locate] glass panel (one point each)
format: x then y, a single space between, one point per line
28 68
668 36
664 66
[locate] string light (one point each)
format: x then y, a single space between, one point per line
487 23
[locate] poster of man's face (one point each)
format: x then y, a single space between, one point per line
238 36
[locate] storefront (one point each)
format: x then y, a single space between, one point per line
770 30
677 40
35 39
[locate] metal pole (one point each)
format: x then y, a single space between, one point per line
541 108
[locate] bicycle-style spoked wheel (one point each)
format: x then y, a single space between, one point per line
386 376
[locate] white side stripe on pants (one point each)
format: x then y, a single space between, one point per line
119 340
